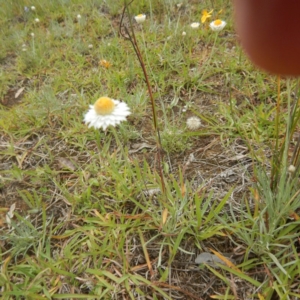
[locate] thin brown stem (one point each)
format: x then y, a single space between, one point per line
130 35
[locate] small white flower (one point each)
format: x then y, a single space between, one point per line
193 123
26 9
217 25
37 20
78 17
140 18
105 112
90 46
32 7
183 33
195 25
32 34
292 169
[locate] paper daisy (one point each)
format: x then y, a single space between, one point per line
105 112
140 18
217 25
195 25
193 123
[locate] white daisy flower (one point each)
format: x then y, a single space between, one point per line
37 20
140 18
217 25
193 123
105 112
78 17
183 33
32 7
195 25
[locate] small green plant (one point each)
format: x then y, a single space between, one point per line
174 141
269 225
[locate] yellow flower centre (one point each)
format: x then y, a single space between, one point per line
104 106
140 15
218 22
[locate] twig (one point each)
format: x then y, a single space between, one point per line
131 37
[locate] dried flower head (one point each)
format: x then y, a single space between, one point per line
104 63
140 18
105 112
292 169
217 25
195 25
193 123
